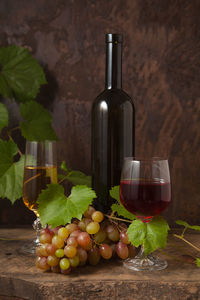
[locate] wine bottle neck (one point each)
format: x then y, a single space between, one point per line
113 65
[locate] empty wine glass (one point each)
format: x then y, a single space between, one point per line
40 169
145 191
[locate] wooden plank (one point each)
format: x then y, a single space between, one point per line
109 280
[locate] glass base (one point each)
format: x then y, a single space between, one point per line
149 263
30 247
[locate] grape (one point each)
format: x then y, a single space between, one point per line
55 269
72 241
64 264
113 247
123 226
105 251
41 250
82 225
47 230
74 261
83 239
82 254
100 236
63 233
75 233
107 241
92 227
94 256
131 251
50 249
37 251
112 233
66 247
38 258
87 221
57 241
45 238
52 260
89 212
71 227
66 271
70 251
55 230
41 263
124 237
122 250
97 216
59 253
88 246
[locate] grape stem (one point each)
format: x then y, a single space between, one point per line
119 219
10 137
187 242
63 179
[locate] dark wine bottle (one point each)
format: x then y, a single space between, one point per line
113 127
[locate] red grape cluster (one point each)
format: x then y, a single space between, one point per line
65 248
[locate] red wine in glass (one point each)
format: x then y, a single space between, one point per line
145 198
145 191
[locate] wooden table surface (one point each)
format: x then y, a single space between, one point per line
19 278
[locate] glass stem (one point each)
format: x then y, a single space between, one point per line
37 227
141 254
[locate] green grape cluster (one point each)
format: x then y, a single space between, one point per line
87 241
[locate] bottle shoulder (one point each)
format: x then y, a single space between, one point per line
115 96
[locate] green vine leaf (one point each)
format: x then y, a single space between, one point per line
63 167
198 262
121 211
11 173
3 116
75 177
79 178
37 122
185 224
57 209
21 75
118 208
156 236
137 232
151 236
114 193
8 149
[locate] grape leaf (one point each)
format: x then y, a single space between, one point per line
3 116
75 177
114 193
137 232
183 223
11 182
57 209
156 235
79 178
79 200
7 151
198 262
37 122
63 167
21 75
152 235
121 211
11 173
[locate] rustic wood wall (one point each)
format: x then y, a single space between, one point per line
161 71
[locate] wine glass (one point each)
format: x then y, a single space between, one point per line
145 191
40 169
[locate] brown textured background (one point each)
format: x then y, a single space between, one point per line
161 71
